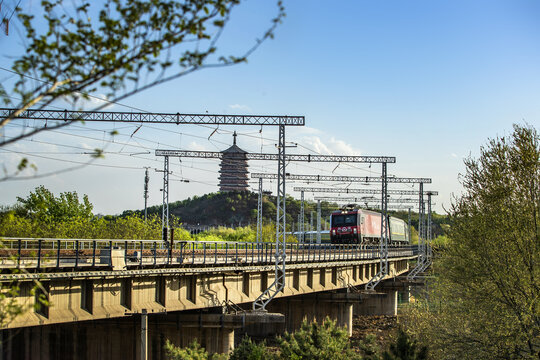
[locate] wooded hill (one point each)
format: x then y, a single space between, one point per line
233 209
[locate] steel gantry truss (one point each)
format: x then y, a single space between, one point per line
337 178
171 118
151 117
365 200
384 179
280 255
282 158
358 191
425 252
275 157
421 239
383 243
424 249
429 250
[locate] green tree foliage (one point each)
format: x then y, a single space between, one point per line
250 350
485 303
241 234
42 214
311 341
118 47
405 349
317 342
193 352
244 234
42 205
368 348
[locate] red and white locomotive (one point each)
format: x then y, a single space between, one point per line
352 225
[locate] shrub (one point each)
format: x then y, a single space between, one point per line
249 350
317 342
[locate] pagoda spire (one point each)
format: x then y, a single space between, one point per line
233 169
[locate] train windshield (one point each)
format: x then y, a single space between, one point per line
343 220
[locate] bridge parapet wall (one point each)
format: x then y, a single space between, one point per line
94 295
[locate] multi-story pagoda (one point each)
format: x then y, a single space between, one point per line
233 169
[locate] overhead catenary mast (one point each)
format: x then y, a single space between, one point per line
282 158
146 180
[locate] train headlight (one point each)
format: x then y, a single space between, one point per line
355 230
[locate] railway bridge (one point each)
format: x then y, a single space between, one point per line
107 299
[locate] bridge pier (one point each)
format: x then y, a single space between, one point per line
339 307
379 303
315 307
120 338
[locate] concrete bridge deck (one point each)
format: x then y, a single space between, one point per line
100 284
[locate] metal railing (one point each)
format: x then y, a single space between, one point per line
31 253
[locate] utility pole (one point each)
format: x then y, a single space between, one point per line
301 219
259 213
144 334
318 221
146 180
165 210
410 232
144 331
311 228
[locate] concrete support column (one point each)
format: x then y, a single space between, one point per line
315 308
211 340
219 340
379 304
227 340
345 317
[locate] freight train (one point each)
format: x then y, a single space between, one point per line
352 225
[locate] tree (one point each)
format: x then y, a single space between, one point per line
120 47
250 350
42 205
193 352
486 301
405 349
317 342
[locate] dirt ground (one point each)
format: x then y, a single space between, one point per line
382 326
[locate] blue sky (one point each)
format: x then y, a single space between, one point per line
426 81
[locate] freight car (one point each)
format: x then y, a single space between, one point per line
352 225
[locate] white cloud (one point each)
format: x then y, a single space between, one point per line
195 146
454 155
295 131
94 101
240 107
328 146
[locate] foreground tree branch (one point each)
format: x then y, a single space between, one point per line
130 40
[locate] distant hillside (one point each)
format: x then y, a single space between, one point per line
240 209
234 208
